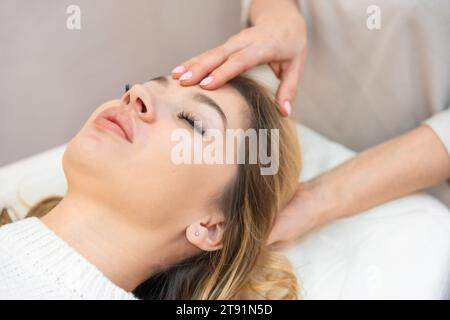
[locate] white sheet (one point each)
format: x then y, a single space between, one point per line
400 250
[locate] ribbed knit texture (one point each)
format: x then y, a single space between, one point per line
36 264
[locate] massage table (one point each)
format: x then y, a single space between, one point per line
399 250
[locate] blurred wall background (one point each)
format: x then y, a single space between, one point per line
52 78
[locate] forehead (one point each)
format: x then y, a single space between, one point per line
229 99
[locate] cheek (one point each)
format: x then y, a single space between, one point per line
176 189
96 150
140 173
192 187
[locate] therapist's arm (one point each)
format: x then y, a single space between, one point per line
411 162
277 36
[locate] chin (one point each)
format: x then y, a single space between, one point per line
83 149
86 159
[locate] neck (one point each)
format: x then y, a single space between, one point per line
127 253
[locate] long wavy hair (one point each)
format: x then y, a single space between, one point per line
244 268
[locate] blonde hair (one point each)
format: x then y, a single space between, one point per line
244 268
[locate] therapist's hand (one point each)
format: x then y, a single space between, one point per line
395 168
277 38
297 218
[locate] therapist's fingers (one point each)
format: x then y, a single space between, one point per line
287 91
196 69
276 68
237 63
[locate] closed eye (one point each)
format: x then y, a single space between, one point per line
192 121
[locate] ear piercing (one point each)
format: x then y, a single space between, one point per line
197 233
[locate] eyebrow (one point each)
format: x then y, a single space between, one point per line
203 98
199 97
161 79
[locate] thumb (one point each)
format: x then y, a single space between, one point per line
287 91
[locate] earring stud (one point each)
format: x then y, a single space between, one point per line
196 233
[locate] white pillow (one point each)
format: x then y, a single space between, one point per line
399 250
24 183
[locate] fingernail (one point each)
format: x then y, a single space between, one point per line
179 69
186 76
207 81
287 107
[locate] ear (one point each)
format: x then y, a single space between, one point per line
207 233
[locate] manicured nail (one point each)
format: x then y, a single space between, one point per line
186 76
287 107
207 81
179 69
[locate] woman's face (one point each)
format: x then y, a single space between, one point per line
123 154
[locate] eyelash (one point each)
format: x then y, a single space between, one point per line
191 119
188 117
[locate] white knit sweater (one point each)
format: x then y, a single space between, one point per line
37 264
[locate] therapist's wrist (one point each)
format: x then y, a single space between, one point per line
326 204
267 11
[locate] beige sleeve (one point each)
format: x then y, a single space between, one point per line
440 123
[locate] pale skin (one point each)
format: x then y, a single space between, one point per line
398 167
127 209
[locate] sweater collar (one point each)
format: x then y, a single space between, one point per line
48 255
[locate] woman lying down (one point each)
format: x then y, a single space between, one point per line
134 224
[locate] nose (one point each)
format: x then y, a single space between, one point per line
138 100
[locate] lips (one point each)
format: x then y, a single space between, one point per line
118 121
